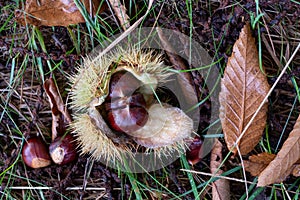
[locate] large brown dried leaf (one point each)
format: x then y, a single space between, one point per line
284 162
257 163
243 88
220 188
61 118
54 12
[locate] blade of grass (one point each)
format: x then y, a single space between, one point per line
286 123
75 42
6 22
190 177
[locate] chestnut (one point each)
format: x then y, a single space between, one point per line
126 107
63 149
35 153
122 84
127 114
127 119
194 152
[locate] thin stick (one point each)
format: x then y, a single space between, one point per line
216 176
244 172
50 188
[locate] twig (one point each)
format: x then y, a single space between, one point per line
215 176
244 172
52 188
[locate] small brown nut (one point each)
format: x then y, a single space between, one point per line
192 154
35 153
63 150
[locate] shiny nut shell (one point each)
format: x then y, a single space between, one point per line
35 153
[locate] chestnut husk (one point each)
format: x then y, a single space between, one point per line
97 88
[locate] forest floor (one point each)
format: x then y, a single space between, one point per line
29 54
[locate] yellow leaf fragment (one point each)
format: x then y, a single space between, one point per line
243 88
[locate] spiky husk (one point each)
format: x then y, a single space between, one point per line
165 126
90 88
90 83
93 140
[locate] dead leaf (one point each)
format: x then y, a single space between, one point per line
296 170
284 161
60 115
220 188
120 12
187 86
54 13
257 163
243 88
184 79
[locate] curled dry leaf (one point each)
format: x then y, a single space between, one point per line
285 160
220 188
184 79
257 163
243 88
120 11
187 85
54 13
60 116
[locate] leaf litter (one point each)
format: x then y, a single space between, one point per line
257 163
61 118
285 160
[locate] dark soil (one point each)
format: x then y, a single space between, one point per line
216 27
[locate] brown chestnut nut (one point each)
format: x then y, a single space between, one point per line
35 153
127 114
63 149
122 84
194 152
125 105
128 119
